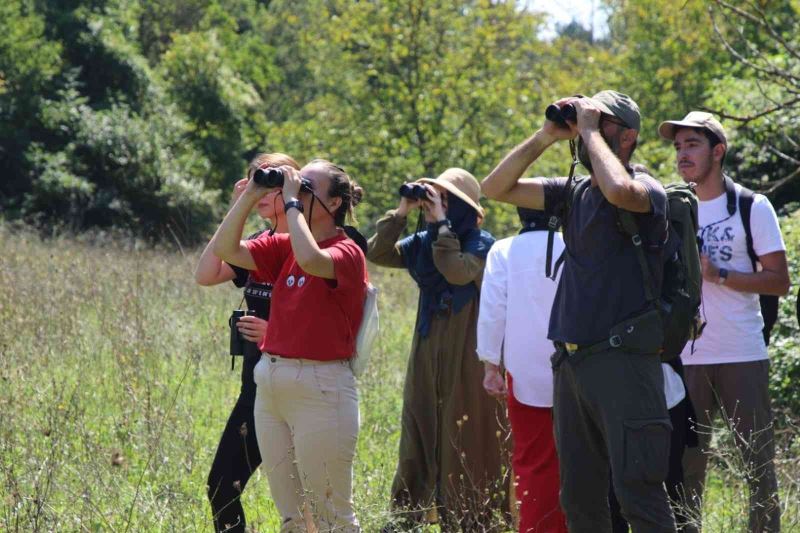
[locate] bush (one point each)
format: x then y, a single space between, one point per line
785 345
120 168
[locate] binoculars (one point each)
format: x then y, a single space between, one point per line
238 342
273 178
413 191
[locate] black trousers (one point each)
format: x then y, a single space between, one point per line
237 455
679 416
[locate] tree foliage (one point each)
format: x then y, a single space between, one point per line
762 95
143 114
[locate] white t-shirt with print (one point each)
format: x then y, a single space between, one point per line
733 332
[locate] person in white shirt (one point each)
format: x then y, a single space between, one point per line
728 369
515 305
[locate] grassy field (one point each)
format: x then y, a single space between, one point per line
115 386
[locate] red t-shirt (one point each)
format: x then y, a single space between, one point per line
312 317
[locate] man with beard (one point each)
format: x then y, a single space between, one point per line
728 370
609 409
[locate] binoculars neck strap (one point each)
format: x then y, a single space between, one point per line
314 199
574 153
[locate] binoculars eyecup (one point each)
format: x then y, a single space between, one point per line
560 115
413 191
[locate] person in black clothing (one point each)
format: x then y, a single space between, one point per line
237 454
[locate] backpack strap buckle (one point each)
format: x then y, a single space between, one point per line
553 223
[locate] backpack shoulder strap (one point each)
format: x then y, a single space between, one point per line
559 214
559 219
730 195
552 226
746 198
631 228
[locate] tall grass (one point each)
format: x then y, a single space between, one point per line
115 386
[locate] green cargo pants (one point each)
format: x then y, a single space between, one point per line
609 411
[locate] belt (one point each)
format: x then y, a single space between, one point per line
579 351
300 361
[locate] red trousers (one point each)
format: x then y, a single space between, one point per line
535 466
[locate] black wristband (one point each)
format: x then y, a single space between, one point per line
439 223
296 204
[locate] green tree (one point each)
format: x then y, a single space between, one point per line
28 64
105 146
668 60
760 98
408 89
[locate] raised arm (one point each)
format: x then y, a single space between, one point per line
504 183
226 243
309 256
457 267
210 269
613 179
382 248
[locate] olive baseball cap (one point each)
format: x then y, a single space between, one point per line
695 119
619 105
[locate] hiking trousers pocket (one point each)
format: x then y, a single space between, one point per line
647 450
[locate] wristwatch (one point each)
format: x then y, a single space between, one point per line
723 276
296 204
439 223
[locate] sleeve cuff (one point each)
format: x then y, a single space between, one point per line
446 239
395 218
489 358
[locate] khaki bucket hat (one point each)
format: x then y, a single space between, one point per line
461 183
695 119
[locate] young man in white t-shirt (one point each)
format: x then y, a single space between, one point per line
727 371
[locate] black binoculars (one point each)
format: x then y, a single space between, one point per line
413 191
560 115
273 177
238 342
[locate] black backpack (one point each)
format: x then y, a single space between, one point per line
768 302
674 314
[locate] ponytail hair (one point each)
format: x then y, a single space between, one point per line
344 187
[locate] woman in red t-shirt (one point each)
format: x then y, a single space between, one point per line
237 454
306 408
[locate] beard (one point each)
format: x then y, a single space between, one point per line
614 143
583 155
702 171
